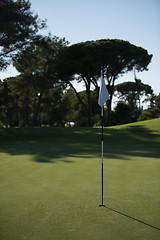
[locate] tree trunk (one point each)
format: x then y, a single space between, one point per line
109 102
16 121
36 109
87 109
25 113
108 113
89 113
78 96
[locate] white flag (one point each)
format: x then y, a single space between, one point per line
103 92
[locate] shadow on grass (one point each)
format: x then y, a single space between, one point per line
135 219
52 145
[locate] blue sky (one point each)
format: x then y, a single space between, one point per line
137 21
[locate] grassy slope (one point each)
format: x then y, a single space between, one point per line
50 183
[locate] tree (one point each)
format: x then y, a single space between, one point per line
76 111
37 66
54 109
122 113
132 93
17 99
2 102
15 102
7 105
157 102
23 93
69 100
84 61
151 113
18 26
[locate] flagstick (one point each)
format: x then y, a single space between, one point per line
103 97
102 205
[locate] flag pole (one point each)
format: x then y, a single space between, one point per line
102 116
103 97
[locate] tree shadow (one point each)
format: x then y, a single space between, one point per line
136 141
52 145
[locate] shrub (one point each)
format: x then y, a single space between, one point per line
1 124
122 113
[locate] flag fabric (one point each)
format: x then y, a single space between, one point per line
103 92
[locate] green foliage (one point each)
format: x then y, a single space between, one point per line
1 124
47 66
53 109
115 56
122 114
18 103
151 113
157 102
132 92
18 26
76 112
147 114
85 60
37 66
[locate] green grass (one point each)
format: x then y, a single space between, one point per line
50 183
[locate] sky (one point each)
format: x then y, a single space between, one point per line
136 21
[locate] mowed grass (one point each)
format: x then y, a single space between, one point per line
50 183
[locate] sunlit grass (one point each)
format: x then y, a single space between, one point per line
50 183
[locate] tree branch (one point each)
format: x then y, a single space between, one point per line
18 46
77 94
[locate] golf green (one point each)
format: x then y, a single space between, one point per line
50 183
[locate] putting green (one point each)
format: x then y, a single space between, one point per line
50 183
